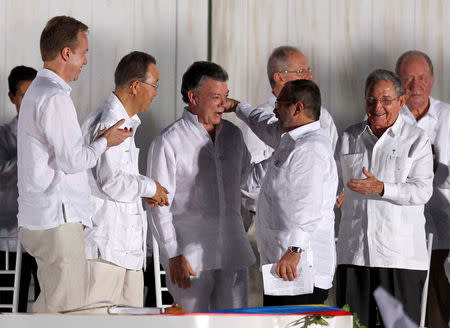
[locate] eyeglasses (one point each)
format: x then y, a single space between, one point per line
153 85
299 71
372 101
281 102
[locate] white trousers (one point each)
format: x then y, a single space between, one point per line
212 289
62 267
109 282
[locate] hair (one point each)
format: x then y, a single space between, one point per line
19 74
195 75
132 67
384 75
413 54
305 91
60 32
279 61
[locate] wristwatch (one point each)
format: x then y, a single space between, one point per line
295 249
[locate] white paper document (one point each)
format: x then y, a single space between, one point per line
303 284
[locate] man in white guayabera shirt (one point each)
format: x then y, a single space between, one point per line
386 167
116 244
202 160
433 116
295 207
54 195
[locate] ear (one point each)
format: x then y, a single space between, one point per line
299 108
278 77
12 97
65 53
133 87
193 99
402 100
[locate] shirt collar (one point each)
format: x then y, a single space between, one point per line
44 72
432 111
301 130
393 129
187 115
117 105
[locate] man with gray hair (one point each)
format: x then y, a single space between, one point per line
387 169
433 116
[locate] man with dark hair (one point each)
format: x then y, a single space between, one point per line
19 80
433 116
202 160
116 244
54 195
386 167
295 217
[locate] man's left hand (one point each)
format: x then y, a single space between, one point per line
287 265
370 185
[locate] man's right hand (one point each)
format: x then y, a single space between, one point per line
115 136
230 106
160 197
180 271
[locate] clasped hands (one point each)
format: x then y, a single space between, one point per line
160 197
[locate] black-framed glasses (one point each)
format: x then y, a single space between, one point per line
151 84
372 101
299 71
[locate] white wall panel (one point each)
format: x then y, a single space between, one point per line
24 22
431 30
4 109
350 55
192 40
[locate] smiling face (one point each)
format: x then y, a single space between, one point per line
382 116
77 58
418 82
208 102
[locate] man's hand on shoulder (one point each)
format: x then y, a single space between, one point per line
287 265
180 271
160 197
114 135
230 106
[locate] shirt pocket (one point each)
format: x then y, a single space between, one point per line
351 165
129 232
395 169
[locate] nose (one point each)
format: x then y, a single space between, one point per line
85 60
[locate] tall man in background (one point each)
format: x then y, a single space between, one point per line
19 80
433 116
54 195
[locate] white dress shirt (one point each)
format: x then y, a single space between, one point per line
296 201
52 158
436 124
203 221
8 182
385 231
119 233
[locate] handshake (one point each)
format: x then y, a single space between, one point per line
159 198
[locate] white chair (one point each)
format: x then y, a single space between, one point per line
157 267
8 271
423 304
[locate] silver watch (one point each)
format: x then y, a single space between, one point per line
295 249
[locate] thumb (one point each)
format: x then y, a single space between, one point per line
367 173
192 272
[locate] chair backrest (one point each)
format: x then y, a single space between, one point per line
10 270
158 273
423 304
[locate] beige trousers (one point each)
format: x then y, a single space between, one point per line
109 282
62 267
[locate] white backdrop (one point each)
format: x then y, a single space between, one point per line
344 40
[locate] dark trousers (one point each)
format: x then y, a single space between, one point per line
149 281
438 306
356 284
28 269
318 296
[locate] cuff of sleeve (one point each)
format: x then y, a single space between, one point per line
99 145
390 191
243 110
299 238
171 249
149 188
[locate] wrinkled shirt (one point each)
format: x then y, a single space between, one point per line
436 124
119 232
8 182
203 221
296 201
385 231
52 157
